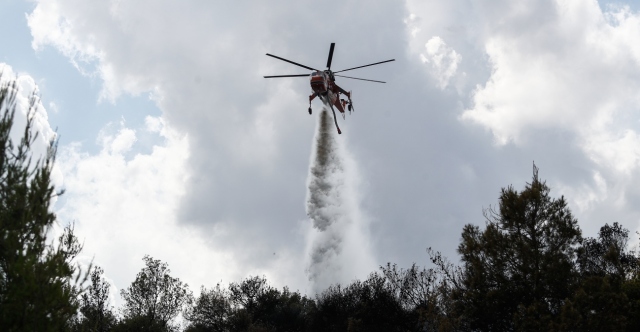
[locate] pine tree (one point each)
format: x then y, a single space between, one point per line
520 269
38 290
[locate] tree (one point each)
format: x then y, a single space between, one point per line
631 289
603 300
154 298
38 290
369 305
520 269
608 255
427 293
256 306
96 314
210 312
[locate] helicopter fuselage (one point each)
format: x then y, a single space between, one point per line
324 86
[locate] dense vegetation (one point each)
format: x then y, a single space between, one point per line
527 269
38 282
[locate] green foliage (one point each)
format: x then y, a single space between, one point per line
142 324
256 306
607 255
369 305
426 294
154 296
518 271
605 297
210 312
631 289
38 290
597 305
96 314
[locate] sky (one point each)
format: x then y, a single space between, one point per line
172 144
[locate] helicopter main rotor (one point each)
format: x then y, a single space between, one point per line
328 70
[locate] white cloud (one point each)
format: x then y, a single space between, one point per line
126 205
442 60
619 151
125 208
49 26
587 196
27 94
560 76
53 107
120 143
27 99
82 31
570 73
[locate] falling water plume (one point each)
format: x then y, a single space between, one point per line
338 247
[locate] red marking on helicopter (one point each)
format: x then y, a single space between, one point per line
323 85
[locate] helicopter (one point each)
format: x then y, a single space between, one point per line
324 87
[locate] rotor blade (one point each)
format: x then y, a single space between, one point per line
330 55
373 64
276 76
291 62
362 79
